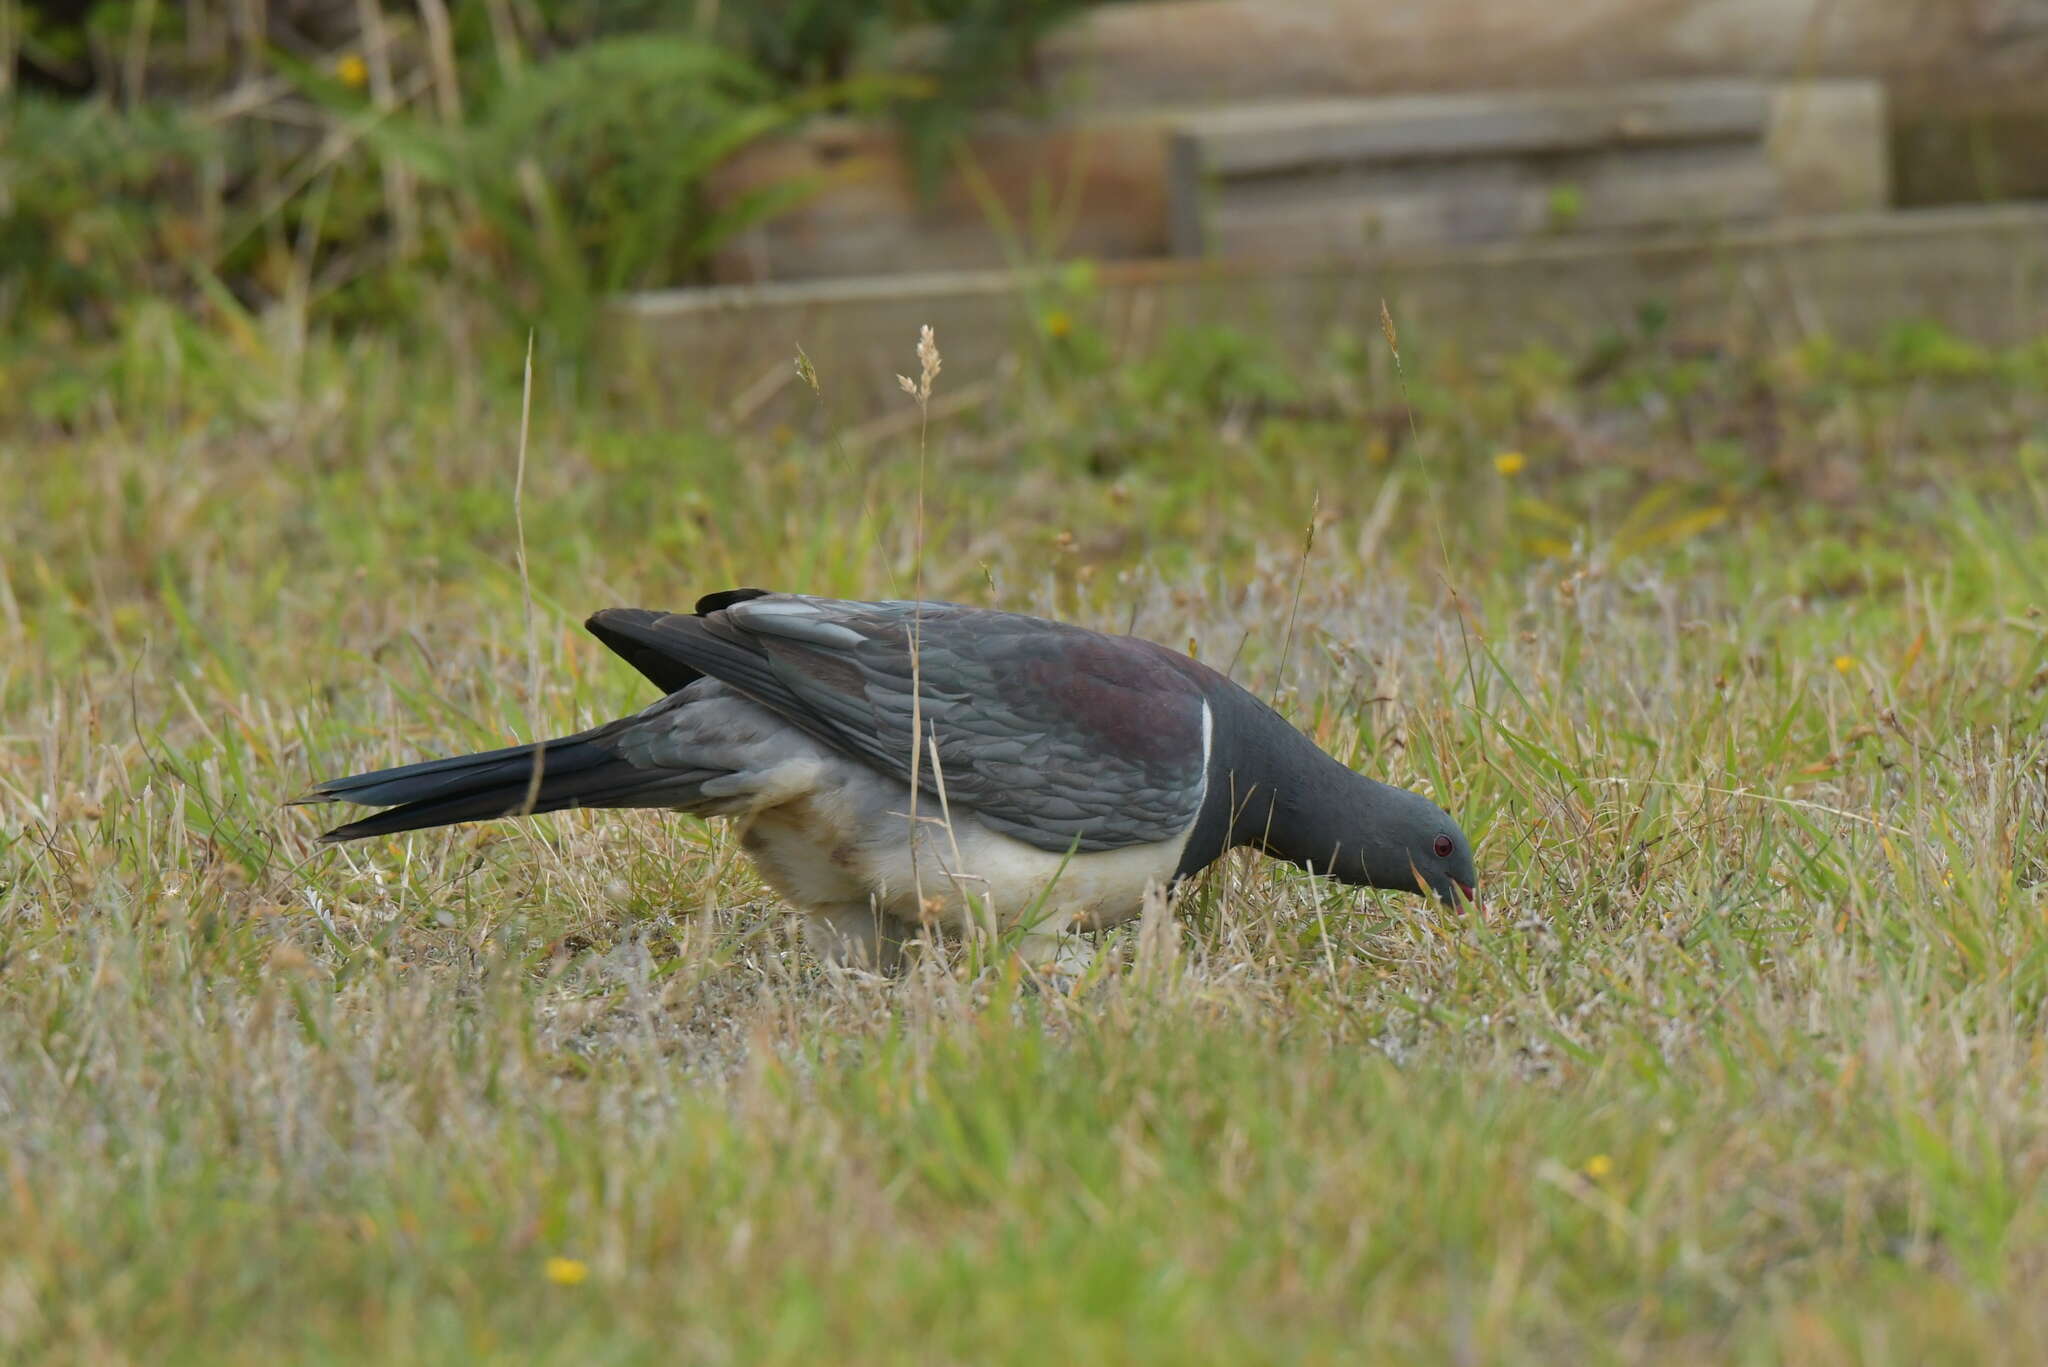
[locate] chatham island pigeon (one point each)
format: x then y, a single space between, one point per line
1059 773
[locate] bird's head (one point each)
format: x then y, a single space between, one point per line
1416 846
1446 865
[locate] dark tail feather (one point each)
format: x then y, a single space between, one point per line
667 671
575 771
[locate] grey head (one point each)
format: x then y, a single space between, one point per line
1411 843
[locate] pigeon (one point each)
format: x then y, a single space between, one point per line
899 766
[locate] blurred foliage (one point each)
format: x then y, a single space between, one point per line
974 52
588 174
539 153
99 207
1217 368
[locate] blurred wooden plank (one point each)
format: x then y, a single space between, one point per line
1981 272
1269 138
2009 20
1152 54
1452 203
1830 142
1336 177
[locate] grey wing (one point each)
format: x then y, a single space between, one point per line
1060 737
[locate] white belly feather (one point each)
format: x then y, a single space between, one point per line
837 838
850 841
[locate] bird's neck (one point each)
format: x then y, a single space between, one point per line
1301 805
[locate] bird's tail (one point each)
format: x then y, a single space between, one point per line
583 770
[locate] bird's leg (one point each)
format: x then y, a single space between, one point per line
855 935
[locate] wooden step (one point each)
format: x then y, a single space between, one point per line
1306 179
1981 272
1151 54
1272 137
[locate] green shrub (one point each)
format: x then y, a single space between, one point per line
555 152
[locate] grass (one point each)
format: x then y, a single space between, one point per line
1734 667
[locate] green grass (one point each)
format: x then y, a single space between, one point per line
1739 681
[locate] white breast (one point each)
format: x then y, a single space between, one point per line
969 871
853 842
841 835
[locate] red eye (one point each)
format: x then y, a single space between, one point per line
1442 847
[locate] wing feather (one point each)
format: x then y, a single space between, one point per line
1061 737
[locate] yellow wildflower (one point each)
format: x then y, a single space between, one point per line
1511 463
567 1271
352 71
1844 663
1058 324
1598 1166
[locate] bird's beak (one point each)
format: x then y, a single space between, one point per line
1471 893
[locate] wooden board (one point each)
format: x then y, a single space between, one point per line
1150 54
1981 272
1306 179
1454 203
1268 138
1831 142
